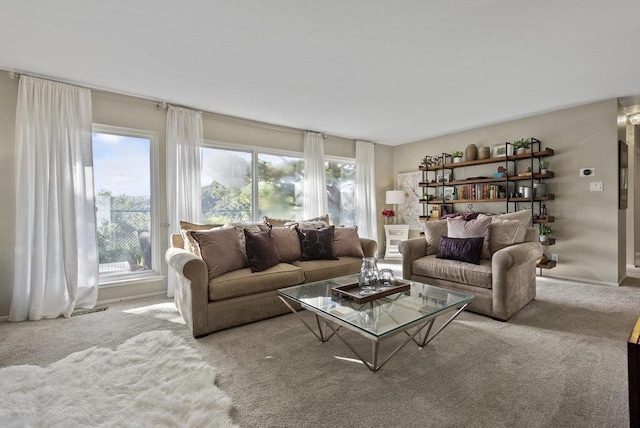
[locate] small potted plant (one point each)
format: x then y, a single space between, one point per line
457 156
544 166
545 230
521 146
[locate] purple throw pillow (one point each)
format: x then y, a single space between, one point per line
317 244
463 249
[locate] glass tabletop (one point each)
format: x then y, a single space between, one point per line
381 316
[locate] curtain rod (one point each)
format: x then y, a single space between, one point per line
163 105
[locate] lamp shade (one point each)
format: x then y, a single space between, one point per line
395 197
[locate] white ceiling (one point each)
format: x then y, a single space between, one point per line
385 71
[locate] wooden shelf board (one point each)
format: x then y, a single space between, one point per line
548 219
501 159
550 265
550 241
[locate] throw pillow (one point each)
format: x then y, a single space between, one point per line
463 249
279 222
287 243
317 244
240 228
433 230
346 242
523 216
459 228
307 224
261 251
220 250
189 243
504 233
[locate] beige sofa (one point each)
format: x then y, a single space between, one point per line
241 296
502 284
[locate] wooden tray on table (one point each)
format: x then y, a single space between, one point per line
352 291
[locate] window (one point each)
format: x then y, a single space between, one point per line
125 202
226 179
280 186
242 185
341 183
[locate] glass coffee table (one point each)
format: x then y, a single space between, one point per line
411 312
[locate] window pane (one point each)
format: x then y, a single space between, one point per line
122 185
280 186
226 186
341 190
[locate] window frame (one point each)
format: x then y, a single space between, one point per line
155 273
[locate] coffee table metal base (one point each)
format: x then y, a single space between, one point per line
415 332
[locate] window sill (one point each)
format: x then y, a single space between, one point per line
121 282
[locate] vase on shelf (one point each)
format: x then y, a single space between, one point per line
471 152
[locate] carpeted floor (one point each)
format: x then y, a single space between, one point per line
561 361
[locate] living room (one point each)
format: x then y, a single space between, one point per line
596 241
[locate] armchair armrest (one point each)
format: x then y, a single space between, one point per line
411 249
191 284
369 247
514 277
515 255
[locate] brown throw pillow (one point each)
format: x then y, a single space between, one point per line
191 244
346 242
317 244
287 243
220 250
261 252
433 230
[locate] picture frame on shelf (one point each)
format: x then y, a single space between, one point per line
448 193
443 178
501 150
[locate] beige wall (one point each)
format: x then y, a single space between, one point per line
119 110
586 225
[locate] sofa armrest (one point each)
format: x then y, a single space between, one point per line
191 284
411 250
369 247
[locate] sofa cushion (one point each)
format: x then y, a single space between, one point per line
318 270
261 251
243 282
464 249
433 230
504 233
220 250
308 224
454 270
287 242
479 227
317 244
279 222
346 242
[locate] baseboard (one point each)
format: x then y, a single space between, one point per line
578 280
138 296
5 318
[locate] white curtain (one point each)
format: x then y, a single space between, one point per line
56 252
315 181
184 158
365 197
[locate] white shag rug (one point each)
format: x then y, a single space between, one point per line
153 379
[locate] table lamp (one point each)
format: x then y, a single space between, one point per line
394 197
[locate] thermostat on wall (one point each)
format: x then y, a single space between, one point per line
587 172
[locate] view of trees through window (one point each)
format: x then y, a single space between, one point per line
228 187
122 185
